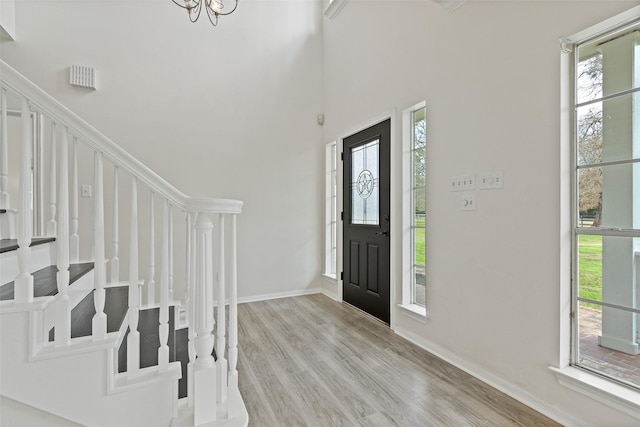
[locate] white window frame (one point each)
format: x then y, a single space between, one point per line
406 305
331 210
590 384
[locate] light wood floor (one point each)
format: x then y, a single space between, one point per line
311 361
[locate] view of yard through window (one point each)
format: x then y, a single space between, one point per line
607 237
419 175
590 268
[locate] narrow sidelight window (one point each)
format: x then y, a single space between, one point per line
414 127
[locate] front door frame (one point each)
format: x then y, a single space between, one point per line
396 211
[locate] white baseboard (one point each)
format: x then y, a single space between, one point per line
334 296
265 297
491 379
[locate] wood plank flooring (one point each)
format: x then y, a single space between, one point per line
310 361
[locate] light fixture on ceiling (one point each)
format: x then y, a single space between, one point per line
214 8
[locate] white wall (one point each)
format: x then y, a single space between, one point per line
490 73
218 112
7 19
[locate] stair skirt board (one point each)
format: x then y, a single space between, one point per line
43 254
81 396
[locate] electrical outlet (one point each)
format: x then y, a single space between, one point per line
468 202
85 191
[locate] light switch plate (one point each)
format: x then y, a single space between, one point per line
490 180
463 182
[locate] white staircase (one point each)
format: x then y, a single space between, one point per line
75 337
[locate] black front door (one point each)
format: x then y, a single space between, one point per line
366 220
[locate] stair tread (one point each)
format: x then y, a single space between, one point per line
8 245
44 280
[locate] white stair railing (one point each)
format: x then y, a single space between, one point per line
163 350
204 369
99 323
4 151
52 225
133 339
151 281
23 285
115 259
74 242
63 307
209 380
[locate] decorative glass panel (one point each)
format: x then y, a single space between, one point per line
365 184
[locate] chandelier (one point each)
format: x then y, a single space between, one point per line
214 8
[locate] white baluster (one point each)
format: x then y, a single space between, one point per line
187 261
63 305
171 257
133 339
189 301
151 282
74 243
221 362
4 153
99 323
115 260
233 308
52 225
23 285
204 370
163 351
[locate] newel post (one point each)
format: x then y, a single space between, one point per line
204 369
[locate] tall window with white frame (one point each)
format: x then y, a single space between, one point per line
606 208
414 128
331 211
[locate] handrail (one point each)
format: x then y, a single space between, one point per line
93 138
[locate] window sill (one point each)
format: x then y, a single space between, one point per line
329 276
414 311
617 396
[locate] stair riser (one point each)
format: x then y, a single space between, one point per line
8 225
41 257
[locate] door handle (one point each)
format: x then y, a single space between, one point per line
383 233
